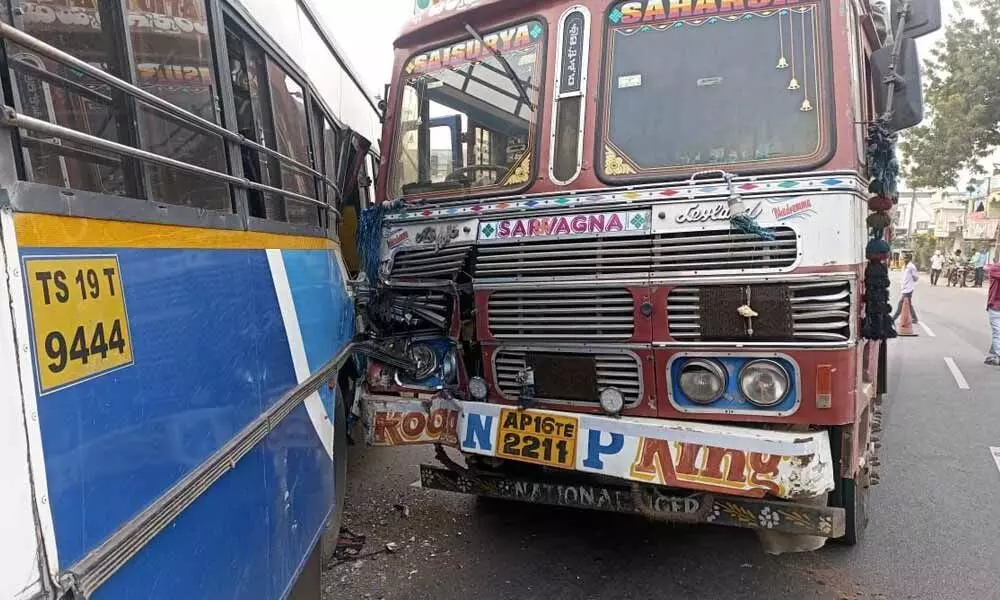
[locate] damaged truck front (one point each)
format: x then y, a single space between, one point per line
627 257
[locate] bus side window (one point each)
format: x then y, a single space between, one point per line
179 69
270 110
47 90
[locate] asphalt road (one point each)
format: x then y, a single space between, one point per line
935 530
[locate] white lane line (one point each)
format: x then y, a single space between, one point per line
956 373
927 330
996 455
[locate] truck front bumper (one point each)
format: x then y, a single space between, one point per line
719 459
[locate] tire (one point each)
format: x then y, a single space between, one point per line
970 279
855 495
332 532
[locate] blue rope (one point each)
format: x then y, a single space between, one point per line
745 223
369 242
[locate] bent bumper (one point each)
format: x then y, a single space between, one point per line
648 501
739 461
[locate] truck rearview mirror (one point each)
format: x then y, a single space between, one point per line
924 18
908 98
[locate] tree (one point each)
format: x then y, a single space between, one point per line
962 95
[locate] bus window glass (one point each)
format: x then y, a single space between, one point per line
744 90
289 105
457 96
173 60
47 90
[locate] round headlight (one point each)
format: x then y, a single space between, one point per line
764 382
612 400
703 381
478 389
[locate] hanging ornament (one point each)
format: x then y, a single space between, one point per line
794 83
806 104
882 159
782 61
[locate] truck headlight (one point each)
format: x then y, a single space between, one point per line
612 400
703 381
765 383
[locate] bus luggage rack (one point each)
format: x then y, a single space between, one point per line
821 312
571 314
618 369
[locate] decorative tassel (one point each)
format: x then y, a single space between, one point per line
369 242
745 223
882 159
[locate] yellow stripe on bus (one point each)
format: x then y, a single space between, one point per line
51 231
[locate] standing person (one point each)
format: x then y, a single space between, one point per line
993 310
937 264
907 283
979 262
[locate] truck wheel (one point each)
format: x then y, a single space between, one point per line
855 494
332 532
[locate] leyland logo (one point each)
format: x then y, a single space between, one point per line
565 225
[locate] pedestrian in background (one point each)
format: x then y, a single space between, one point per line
979 262
993 310
937 265
908 282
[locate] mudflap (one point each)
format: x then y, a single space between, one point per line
646 500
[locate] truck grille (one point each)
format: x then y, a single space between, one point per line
430 263
821 312
621 370
574 314
593 257
621 256
722 250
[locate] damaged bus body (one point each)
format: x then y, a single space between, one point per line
620 261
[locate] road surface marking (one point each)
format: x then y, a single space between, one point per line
996 455
956 373
927 330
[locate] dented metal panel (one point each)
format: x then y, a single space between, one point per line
739 461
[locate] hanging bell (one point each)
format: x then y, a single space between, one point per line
806 105
793 84
782 63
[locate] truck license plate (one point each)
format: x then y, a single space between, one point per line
528 436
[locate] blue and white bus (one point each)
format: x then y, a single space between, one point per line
180 183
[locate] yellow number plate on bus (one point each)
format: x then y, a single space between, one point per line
538 438
79 321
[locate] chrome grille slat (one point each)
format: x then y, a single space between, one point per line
427 262
596 314
821 312
622 371
716 250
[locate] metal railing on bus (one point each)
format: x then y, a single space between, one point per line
14 119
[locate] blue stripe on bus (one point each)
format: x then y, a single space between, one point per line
244 538
211 353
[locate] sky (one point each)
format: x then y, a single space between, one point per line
369 48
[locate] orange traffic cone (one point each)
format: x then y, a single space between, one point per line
906 322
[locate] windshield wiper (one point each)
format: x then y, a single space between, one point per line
523 93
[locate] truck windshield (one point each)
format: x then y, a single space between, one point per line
745 90
463 124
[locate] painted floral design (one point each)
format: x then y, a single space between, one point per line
826 525
464 485
715 514
768 518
